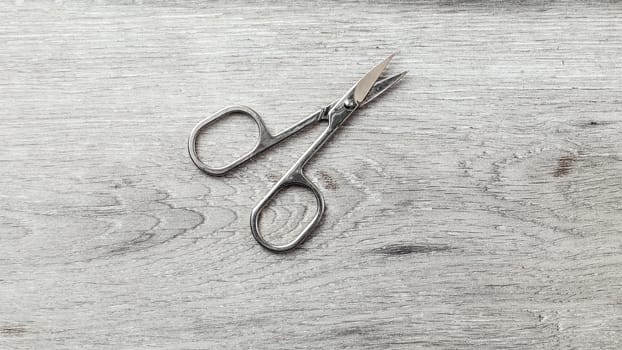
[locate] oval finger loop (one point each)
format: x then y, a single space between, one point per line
262 141
297 180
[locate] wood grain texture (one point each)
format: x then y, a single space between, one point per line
477 205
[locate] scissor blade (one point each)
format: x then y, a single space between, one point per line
365 84
381 86
378 89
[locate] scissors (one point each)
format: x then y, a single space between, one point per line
336 113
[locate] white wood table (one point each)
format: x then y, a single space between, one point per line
476 205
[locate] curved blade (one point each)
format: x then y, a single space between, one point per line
363 86
378 89
383 85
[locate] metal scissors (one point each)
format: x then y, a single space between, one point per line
336 113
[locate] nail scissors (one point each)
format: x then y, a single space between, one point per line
336 113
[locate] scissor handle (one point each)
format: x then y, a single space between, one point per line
294 177
265 139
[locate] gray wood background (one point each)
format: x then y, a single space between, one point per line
476 205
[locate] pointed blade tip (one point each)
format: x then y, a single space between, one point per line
366 83
383 86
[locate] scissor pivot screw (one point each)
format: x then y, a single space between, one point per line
349 103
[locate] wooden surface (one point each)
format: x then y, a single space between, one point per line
476 205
